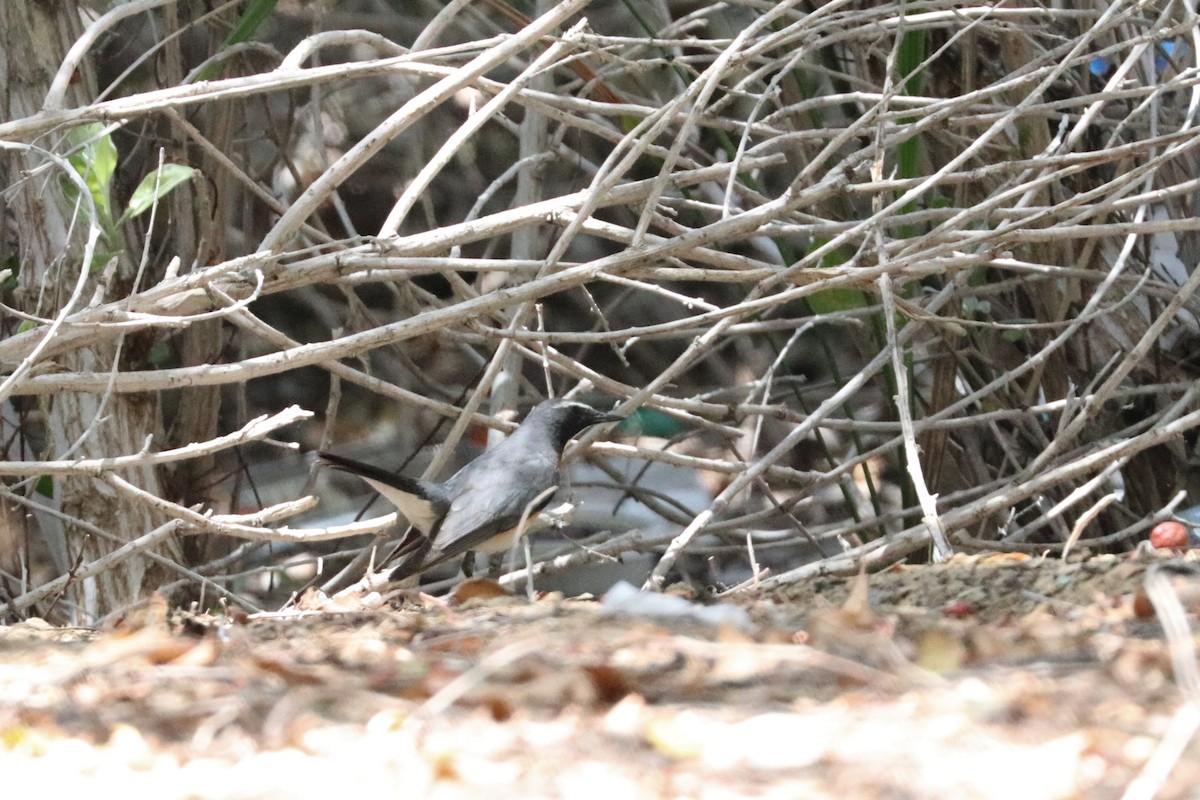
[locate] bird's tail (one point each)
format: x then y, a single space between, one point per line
427 499
401 482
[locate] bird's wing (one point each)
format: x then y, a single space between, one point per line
422 503
490 495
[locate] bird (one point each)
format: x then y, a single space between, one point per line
480 507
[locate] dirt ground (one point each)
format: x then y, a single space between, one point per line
986 677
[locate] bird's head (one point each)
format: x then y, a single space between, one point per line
563 419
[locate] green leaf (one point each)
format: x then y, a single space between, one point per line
1016 334
26 325
160 355
45 486
96 156
255 13
95 159
156 186
836 299
973 305
909 59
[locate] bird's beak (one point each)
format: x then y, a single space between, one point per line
610 418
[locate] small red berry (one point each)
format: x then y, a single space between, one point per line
1169 535
958 609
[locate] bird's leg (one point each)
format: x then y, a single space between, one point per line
495 565
468 565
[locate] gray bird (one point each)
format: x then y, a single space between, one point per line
479 508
